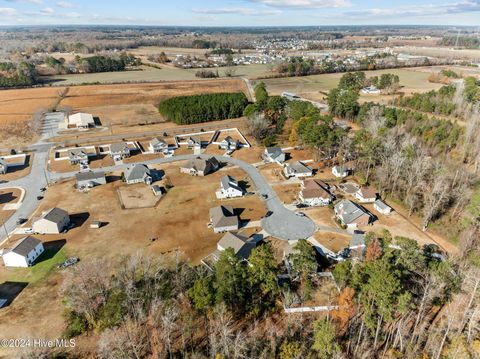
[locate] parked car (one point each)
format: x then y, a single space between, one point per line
21 220
301 205
43 189
39 198
300 214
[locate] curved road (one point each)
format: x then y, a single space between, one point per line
282 223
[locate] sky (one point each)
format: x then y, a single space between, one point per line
240 12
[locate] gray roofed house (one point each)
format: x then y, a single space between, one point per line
3 166
241 245
23 253
200 167
139 173
157 145
78 156
223 219
297 169
53 221
229 188
119 150
90 179
352 214
382 207
340 171
194 142
274 154
229 143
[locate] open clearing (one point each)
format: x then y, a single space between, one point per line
137 195
333 241
8 196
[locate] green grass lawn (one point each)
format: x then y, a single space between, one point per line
43 266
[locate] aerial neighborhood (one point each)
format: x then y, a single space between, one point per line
240 193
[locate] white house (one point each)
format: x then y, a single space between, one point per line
274 154
297 169
340 172
157 146
3 166
78 156
118 151
351 214
229 188
194 142
315 193
223 219
90 179
229 144
51 222
81 120
382 207
23 253
366 195
138 173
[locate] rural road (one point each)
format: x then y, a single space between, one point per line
282 223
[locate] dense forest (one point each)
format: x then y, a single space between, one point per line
185 110
107 63
17 75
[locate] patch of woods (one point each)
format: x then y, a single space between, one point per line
185 110
17 75
470 42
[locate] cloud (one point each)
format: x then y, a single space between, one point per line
66 5
47 11
304 4
37 2
7 11
237 11
420 10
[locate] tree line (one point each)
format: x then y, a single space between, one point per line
18 75
185 110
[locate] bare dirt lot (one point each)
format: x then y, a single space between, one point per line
287 193
137 195
8 196
333 241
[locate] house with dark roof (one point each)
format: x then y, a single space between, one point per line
297 169
90 179
223 219
3 166
139 173
200 167
315 192
229 188
52 221
274 154
366 195
242 246
229 144
351 214
23 253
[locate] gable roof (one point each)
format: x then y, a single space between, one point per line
230 182
274 152
194 139
382 205
367 192
156 142
298 167
200 164
318 192
55 215
358 239
90 175
240 244
340 169
137 171
223 216
77 152
118 147
25 245
349 211
314 184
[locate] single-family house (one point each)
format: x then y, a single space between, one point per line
351 214
194 142
274 154
315 193
118 151
200 167
139 173
23 253
3 166
229 144
241 245
382 207
229 188
340 171
90 179
51 222
223 219
357 244
78 156
81 120
157 146
366 195
297 169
